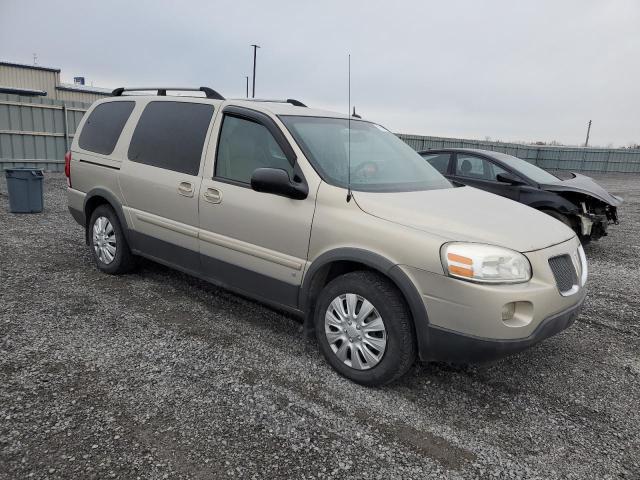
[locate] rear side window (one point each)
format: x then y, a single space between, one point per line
102 129
439 161
171 135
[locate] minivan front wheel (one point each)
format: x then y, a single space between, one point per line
108 243
364 328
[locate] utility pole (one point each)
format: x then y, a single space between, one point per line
247 78
586 143
255 49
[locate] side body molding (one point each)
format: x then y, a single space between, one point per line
319 269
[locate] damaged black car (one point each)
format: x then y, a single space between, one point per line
578 201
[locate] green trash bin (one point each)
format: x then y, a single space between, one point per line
25 190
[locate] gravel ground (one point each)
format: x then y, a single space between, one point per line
159 375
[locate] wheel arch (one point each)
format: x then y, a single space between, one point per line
547 201
336 262
101 196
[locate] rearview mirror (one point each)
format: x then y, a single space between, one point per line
507 177
277 182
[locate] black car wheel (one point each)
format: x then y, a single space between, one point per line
364 328
108 244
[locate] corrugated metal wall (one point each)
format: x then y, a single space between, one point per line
86 97
33 78
45 79
548 157
36 131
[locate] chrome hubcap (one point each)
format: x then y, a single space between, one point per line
104 240
355 331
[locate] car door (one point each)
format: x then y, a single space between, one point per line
253 241
482 173
160 180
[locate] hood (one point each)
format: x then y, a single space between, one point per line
585 185
467 214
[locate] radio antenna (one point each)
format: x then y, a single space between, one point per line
349 144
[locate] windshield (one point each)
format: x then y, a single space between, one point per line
527 169
380 161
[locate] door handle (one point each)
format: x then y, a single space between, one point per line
186 189
212 195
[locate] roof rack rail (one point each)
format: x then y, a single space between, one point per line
295 102
162 91
292 101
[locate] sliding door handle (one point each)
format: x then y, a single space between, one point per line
212 195
186 189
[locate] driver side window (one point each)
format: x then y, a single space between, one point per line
243 147
470 166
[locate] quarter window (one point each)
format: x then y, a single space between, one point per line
245 146
102 129
171 135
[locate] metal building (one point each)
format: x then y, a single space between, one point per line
34 80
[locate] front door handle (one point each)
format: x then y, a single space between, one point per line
186 189
212 195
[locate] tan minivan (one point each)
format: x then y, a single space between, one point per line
333 218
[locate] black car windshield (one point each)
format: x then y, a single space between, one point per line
380 161
527 169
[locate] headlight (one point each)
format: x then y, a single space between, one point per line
484 263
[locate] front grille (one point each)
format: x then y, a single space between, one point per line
564 272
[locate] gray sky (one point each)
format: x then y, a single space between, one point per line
509 70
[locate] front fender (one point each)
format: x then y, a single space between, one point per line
541 200
376 262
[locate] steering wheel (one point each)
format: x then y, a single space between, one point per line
366 170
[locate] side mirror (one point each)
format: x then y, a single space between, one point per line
277 182
507 177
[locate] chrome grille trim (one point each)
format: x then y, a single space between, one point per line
565 274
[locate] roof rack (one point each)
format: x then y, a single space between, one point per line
292 101
162 91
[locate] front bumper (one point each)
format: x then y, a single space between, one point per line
593 226
448 346
466 320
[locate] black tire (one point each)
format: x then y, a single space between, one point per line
400 352
123 260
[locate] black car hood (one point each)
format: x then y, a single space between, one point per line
585 185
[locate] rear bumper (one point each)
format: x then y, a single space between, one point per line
77 215
448 346
75 201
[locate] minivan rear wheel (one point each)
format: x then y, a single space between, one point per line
108 244
364 328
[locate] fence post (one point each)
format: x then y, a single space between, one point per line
66 127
